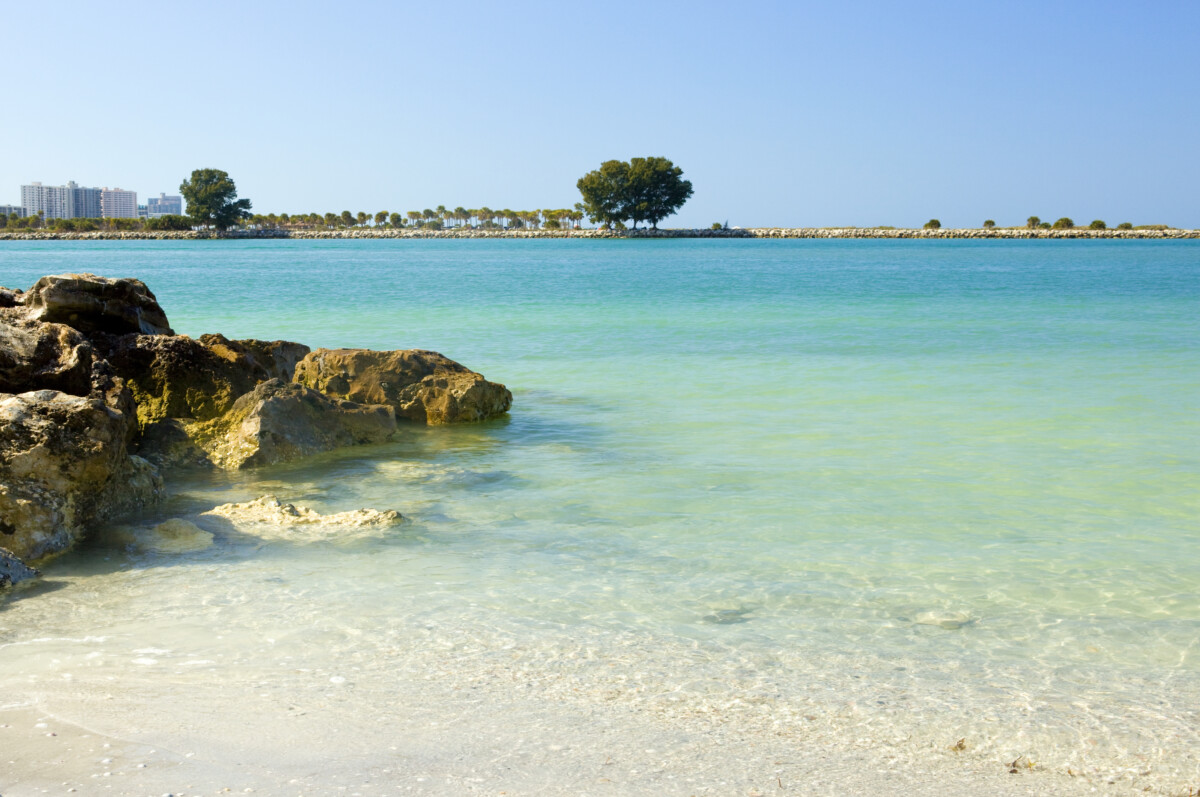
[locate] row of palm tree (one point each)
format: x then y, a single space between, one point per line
430 218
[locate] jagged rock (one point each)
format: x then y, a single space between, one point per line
90 304
423 386
13 570
38 356
171 536
173 376
64 466
10 297
279 421
270 510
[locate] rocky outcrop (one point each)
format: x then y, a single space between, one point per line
422 386
90 303
280 421
64 466
173 376
13 570
269 509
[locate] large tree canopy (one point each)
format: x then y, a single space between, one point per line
212 199
645 189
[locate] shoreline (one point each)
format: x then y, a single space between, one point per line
1013 233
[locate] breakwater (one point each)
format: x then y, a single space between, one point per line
748 232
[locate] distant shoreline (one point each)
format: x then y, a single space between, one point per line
1010 233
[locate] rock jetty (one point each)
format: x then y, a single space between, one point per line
1001 233
99 398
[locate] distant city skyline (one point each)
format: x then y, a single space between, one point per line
73 201
781 114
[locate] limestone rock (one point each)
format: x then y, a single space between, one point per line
423 386
13 570
270 510
173 376
279 421
63 467
38 356
90 304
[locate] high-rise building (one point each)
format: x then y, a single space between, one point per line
8 210
51 201
164 205
118 204
68 201
86 202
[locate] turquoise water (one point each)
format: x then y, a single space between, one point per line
947 486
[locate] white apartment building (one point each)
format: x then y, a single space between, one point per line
52 201
8 210
68 201
118 204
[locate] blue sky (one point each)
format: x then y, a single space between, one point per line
790 114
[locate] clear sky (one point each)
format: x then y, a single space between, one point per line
788 114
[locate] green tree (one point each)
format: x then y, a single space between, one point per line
396 220
212 199
989 225
656 190
1064 224
933 224
347 218
362 218
1125 225
1033 222
604 192
1097 225
644 189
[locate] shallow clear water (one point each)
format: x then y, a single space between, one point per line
927 490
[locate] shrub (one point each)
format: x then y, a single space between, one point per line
1097 225
1033 222
716 225
1064 224
1152 227
989 224
933 224
1045 225
1124 226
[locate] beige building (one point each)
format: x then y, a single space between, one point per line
118 204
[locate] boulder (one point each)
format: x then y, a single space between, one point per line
174 376
13 570
280 421
423 386
40 356
91 304
63 467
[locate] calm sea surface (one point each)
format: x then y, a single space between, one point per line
921 490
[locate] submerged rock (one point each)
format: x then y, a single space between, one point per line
13 570
944 619
280 421
423 386
64 466
270 510
90 303
171 536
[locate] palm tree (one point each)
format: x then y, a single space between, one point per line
330 220
347 219
414 216
461 215
381 218
1033 222
397 220
441 212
